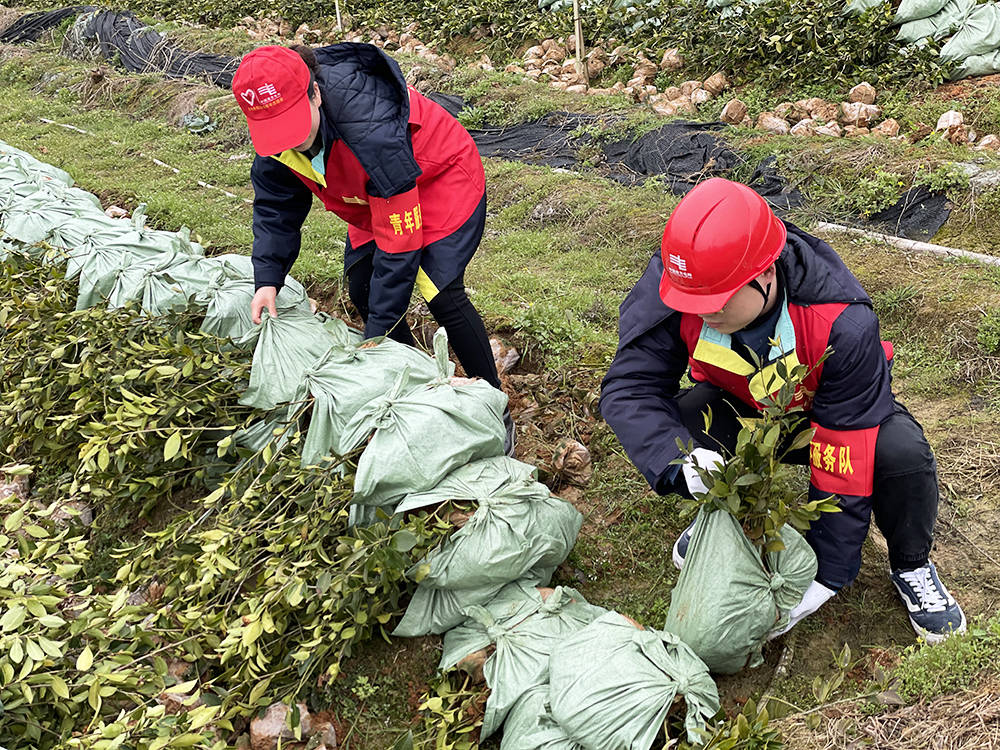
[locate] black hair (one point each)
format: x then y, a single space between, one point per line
309 58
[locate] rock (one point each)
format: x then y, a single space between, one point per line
820 109
950 119
988 179
920 131
672 92
484 63
534 75
646 91
831 129
645 69
662 106
550 44
534 52
473 663
688 86
988 143
853 130
618 54
577 88
513 68
863 92
699 97
783 109
797 113
672 60
595 67
561 85
635 83
683 105
746 122
887 128
734 111
178 703
572 462
804 127
715 84
266 731
958 134
771 123
116 212
74 512
327 735
858 114
14 487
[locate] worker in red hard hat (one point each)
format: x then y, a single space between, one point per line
734 291
339 123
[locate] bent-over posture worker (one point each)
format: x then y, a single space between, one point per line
339 122
731 279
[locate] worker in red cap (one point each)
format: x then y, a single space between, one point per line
340 123
733 291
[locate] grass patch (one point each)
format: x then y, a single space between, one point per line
929 671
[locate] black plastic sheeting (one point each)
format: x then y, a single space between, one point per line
681 154
916 216
29 28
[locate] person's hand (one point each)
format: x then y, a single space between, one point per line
266 296
704 458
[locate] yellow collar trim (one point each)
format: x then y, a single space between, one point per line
762 384
298 162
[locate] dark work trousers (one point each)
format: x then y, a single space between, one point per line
904 499
450 307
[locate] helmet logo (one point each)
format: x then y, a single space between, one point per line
681 270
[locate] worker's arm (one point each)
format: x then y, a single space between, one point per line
281 204
638 400
397 224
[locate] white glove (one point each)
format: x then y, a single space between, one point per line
815 596
704 458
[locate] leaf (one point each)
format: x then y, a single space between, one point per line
890 698
13 618
85 660
404 540
802 439
182 687
59 686
172 446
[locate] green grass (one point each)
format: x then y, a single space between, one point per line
928 671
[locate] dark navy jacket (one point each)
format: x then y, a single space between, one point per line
401 171
853 396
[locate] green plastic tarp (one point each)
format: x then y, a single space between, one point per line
30 165
857 7
286 347
524 628
163 284
912 10
433 611
938 26
517 525
979 35
349 377
417 436
725 603
611 685
32 219
529 726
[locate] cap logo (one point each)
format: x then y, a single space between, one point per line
679 262
262 97
249 96
681 267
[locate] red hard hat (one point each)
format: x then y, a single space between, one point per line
721 236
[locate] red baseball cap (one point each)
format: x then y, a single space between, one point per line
272 88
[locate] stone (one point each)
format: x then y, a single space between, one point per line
683 105
672 92
989 142
178 703
820 109
783 109
688 86
957 134
797 113
920 131
859 114
662 106
577 88
746 122
116 212
771 123
831 129
646 91
672 60
950 119
534 75
14 487
734 112
887 128
268 730
327 735
484 63
514 68
700 96
595 66
549 44
534 52
851 131
645 69
804 127
572 462
715 84
75 512
863 92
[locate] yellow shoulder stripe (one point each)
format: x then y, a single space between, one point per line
298 162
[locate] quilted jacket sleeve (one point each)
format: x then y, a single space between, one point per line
281 204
